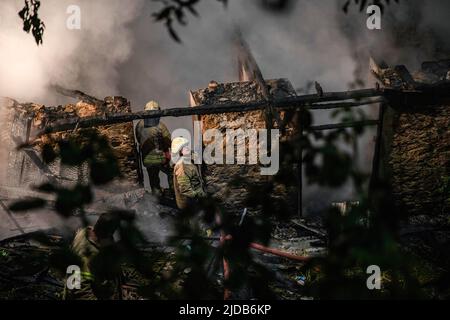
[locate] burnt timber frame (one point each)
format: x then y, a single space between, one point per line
326 101
426 94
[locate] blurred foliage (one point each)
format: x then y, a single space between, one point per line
176 11
367 234
277 5
89 148
356 241
31 21
363 4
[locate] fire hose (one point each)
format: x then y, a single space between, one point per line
226 267
259 247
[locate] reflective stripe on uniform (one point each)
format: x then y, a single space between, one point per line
87 276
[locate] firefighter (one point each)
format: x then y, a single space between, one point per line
86 245
187 181
154 143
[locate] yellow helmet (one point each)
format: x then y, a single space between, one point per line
151 106
178 143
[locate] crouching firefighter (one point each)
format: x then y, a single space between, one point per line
96 282
187 181
154 143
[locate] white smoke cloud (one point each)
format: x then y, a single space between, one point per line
85 59
412 32
291 46
121 50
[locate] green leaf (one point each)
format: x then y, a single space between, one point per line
46 187
48 153
28 204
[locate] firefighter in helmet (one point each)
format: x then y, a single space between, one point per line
87 244
154 142
187 180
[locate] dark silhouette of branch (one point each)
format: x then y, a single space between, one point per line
31 21
176 11
363 4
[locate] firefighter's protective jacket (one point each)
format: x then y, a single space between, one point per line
91 288
153 138
85 248
188 184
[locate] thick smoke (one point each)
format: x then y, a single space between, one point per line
289 45
412 32
120 50
87 59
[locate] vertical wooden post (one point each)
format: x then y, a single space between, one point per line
226 269
198 139
300 166
375 177
27 140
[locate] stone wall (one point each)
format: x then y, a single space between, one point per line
419 159
416 147
225 182
121 137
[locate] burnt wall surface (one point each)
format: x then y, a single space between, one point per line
230 182
22 170
6 144
416 146
419 159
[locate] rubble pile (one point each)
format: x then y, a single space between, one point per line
29 271
25 272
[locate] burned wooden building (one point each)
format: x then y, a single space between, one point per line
22 121
412 156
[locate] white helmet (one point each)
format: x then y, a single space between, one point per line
178 143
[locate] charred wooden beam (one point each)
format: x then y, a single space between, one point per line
375 176
405 76
318 233
11 216
27 140
248 67
345 125
437 94
300 165
305 101
377 69
329 106
78 95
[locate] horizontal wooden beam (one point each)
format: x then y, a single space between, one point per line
343 105
345 125
77 94
306 101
